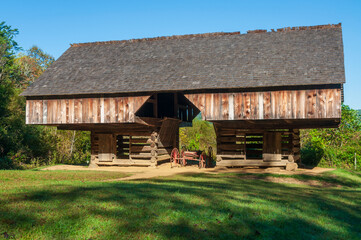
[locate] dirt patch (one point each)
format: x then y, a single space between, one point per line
313 183
165 170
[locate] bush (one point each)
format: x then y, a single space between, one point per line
334 147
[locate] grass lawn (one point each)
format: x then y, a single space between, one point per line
77 205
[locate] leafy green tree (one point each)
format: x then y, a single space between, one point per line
198 137
333 147
8 75
32 65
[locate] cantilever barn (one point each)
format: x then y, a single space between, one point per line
258 89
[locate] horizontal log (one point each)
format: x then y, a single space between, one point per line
139 140
271 157
243 163
163 157
225 156
161 151
231 147
231 139
141 154
136 148
239 152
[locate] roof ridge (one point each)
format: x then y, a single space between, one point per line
300 28
157 38
285 29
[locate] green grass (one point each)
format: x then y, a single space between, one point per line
76 205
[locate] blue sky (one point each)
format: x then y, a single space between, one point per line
53 25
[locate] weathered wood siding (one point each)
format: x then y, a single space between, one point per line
83 110
287 104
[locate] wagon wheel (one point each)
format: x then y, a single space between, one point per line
202 162
174 156
182 160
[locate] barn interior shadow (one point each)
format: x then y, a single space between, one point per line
197 206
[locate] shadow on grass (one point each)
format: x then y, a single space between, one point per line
198 206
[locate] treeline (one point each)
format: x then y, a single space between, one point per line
25 146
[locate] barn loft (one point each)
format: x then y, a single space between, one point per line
258 89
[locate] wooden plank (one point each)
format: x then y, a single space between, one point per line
254 105
231 106
140 140
112 112
126 109
231 139
272 157
106 110
273 105
224 106
283 104
247 105
260 105
71 110
238 106
120 110
240 156
337 110
58 112
95 115
27 112
322 110
45 111
267 110
302 104
55 110
137 148
289 105
131 109
217 111
62 111
77 111
231 147
140 154
311 103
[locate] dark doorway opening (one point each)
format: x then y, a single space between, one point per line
168 105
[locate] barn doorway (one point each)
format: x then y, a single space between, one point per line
168 105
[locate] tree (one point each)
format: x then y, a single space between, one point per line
198 137
32 65
8 75
333 147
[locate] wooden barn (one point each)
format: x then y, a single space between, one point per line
258 89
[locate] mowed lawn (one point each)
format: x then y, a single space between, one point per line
79 205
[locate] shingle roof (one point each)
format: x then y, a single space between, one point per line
286 57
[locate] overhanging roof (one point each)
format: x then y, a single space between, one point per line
286 57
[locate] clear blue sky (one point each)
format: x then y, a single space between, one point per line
53 25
